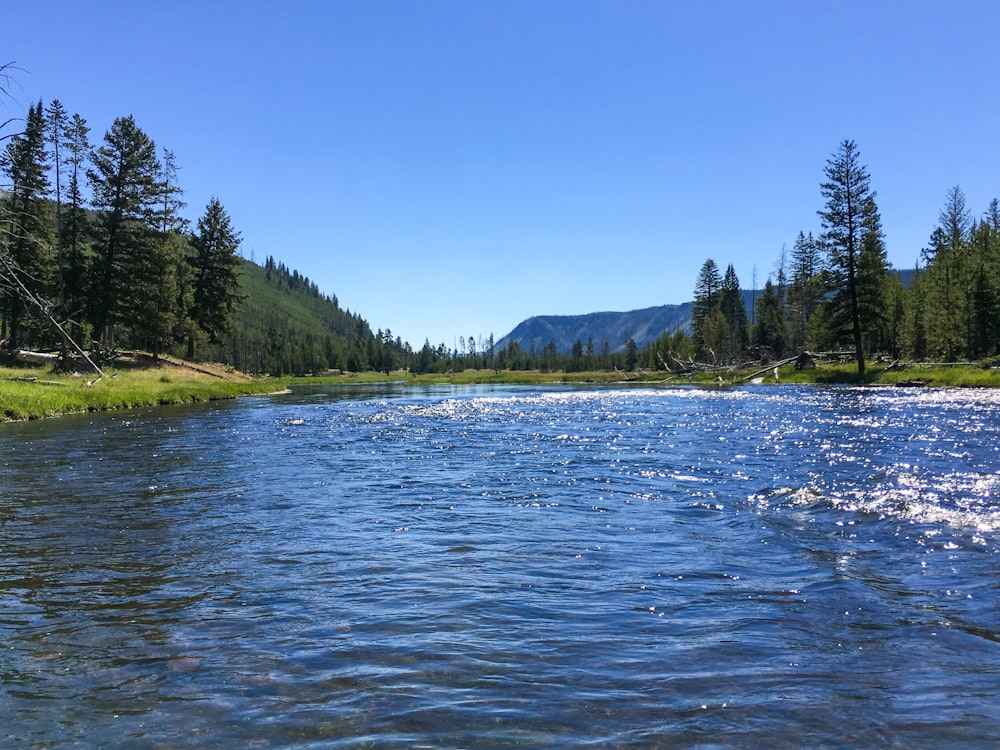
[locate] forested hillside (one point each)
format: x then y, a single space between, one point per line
95 252
284 324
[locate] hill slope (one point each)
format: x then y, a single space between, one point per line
284 325
616 328
642 326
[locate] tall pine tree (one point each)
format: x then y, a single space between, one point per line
849 217
707 288
806 290
948 279
125 182
75 225
55 128
215 271
734 311
26 237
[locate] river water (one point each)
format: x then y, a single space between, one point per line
465 567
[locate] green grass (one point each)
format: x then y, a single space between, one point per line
971 375
33 393
941 376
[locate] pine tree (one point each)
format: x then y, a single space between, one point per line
215 272
26 238
873 283
769 332
734 311
986 246
631 355
55 129
706 298
169 218
714 336
915 317
949 296
806 289
165 317
75 226
125 181
849 217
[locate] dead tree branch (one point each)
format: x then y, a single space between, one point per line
11 278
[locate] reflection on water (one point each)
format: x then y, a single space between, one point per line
475 567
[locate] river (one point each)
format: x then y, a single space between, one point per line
487 567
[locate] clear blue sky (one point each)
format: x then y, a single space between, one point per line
449 168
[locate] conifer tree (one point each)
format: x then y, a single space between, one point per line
734 311
769 332
849 217
985 241
74 227
949 314
806 288
873 283
215 271
166 314
55 127
706 299
125 182
169 218
26 236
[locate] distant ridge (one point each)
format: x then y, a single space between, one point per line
642 326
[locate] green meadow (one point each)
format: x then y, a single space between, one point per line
37 392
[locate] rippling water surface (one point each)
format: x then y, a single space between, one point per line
484 567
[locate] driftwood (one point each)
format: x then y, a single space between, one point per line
691 367
803 361
35 358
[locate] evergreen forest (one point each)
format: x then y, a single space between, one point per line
836 292
94 249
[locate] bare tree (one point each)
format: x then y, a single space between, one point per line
6 81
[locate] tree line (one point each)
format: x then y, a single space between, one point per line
94 236
837 291
94 249
834 292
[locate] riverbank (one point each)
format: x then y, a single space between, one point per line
38 392
928 375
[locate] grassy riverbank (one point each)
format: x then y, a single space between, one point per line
37 392
930 375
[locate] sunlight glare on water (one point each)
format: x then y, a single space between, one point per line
491 567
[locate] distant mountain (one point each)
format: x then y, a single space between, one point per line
643 326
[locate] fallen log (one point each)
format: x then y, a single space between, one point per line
772 366
35 358
802 360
